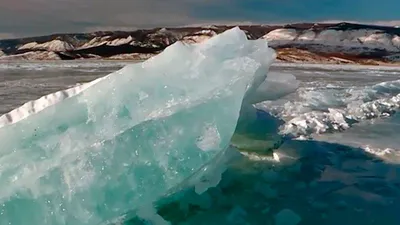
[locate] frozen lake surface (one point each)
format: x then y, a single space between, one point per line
325 175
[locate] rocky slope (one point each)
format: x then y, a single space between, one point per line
319 43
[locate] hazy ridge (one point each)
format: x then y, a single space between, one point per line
340 43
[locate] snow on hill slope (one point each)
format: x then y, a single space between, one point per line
303 42
347 41
52 46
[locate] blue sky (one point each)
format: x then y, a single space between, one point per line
37 17
300 10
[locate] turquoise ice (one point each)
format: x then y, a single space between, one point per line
128 138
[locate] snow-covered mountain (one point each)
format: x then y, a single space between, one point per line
358 41
303 42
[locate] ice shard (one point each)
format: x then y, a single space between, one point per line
126 139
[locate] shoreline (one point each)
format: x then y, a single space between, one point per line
277 63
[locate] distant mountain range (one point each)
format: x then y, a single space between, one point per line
340 43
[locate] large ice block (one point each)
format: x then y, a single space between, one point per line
125 140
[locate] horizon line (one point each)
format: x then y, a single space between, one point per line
393 23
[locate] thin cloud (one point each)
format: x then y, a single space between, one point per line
44 16
38 17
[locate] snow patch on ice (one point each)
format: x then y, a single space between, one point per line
338 120
336 110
